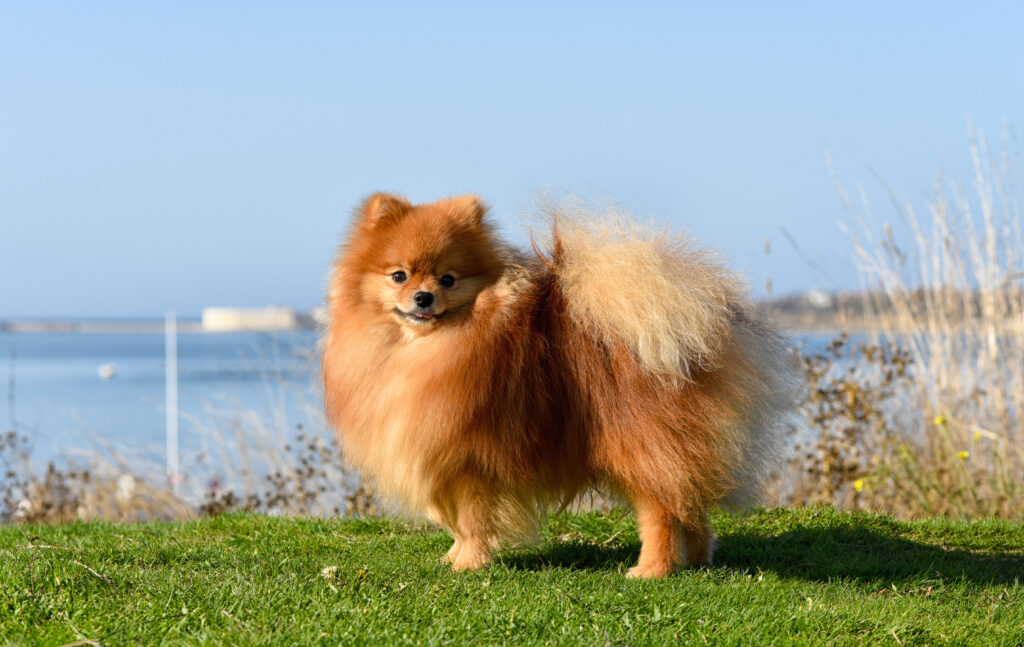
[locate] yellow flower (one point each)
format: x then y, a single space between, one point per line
858 484
939 420
977 436
963 454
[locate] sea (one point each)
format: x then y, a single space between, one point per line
55 396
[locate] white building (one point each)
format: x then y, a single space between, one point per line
238 319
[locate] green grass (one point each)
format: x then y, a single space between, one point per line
806 576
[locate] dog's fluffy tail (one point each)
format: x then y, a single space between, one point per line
670 302
682 313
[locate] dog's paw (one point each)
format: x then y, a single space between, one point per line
650 571
452 553
468 560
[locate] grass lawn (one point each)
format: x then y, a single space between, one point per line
806 576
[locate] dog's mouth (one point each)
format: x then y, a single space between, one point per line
419 316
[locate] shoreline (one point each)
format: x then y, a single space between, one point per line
101 327
219 319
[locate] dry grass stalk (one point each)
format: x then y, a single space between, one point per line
951 297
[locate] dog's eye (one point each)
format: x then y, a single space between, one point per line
447 281
399 277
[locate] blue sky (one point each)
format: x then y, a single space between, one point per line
194 154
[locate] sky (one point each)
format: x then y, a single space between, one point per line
194 154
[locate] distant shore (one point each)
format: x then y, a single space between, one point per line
269 319
802 313
95 326
116 326
809 312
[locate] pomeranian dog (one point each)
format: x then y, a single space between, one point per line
479 385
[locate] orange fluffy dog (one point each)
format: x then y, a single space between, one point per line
478 385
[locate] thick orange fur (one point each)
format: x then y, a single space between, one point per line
517 389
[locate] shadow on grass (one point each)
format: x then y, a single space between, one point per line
575 555
816 554
851 552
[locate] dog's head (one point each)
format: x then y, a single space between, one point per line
418 265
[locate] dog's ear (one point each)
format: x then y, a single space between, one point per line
469 208
382 207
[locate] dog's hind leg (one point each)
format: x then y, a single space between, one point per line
699 542
661 537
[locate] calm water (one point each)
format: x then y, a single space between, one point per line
60 400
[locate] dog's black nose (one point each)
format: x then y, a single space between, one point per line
423 299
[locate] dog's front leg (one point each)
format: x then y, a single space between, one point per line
453 552
473 529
